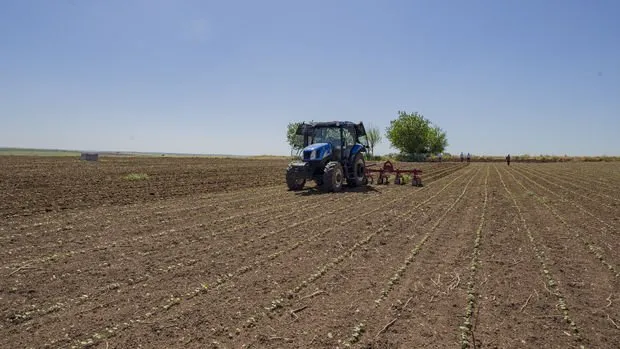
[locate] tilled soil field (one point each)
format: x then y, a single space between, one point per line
223 256
31 185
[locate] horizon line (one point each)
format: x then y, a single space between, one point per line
4 148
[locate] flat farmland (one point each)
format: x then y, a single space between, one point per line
217 253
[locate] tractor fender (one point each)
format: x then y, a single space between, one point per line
356 149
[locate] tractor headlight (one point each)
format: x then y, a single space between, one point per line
313 155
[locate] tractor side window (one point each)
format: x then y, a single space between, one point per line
349 139
363 140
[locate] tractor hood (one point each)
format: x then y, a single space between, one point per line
317 151
317 146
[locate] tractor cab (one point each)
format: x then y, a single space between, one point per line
339 138
332 154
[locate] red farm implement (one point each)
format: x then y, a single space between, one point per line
385 171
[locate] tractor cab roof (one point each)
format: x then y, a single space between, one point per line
307 128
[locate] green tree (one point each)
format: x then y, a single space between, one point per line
412 133
438 140
373 135
295 141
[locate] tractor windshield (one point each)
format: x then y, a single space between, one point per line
325 135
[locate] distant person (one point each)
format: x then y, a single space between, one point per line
468 157
440 156
462 157
508 159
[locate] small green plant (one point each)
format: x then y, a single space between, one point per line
136 177
406 179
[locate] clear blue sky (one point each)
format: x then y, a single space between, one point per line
517 76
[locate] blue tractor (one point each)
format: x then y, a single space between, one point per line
332 154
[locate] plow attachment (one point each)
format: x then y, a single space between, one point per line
385 171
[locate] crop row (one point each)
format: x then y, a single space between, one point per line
167 216
280 302
196 211
172 206
540 255
466 328
357 331
576 205
175 206
588 197
26 314
36 310
227 276
609 227
584 238
284 209
584 181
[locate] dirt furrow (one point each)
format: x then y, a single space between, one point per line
229 199
69 236
364 279
145 218
574 329
483 256
577 274
266 276
194 267
430 281
605 174
585 183
467 334
74 239
514 308
116 260
111 263
82 218
104 240
608 226
65 184
577 193
591 243
600 232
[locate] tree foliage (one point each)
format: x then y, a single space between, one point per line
412 133
295 142
438 140
373 135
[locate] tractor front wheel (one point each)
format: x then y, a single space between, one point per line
293 181
333 177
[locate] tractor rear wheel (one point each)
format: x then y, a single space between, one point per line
293 181
359 171
333 177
